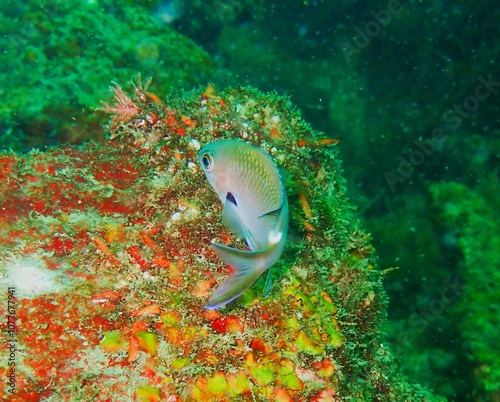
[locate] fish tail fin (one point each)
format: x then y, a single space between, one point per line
247 265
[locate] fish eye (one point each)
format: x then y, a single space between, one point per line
208 160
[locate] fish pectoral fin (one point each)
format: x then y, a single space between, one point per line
231 220
247 267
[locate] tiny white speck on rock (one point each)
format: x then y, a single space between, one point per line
194 145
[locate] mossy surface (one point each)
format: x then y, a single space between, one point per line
470 217
128 222
59 57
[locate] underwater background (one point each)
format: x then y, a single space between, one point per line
410 88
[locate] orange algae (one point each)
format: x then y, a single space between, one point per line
152 309
227 324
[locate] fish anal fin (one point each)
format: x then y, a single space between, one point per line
247 265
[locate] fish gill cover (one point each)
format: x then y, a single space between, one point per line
125 226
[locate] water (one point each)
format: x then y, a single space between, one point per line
410 89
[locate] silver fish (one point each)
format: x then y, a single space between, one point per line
249 185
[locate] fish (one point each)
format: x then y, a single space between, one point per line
249 185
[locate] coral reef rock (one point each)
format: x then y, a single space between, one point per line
105 248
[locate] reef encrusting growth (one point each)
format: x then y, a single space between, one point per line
119 235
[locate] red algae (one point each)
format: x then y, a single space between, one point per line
127 225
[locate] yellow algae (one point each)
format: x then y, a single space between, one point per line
287 376
327 303
238 383
307 345
170 319
324 368
113 342
180 363
262 374
290 289
147 393
292 323
217 384
336 338
281 395
148 342
208 389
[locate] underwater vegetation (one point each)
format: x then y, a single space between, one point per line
117 234
58 58
469 217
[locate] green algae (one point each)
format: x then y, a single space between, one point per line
470 217
113 342
66 53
